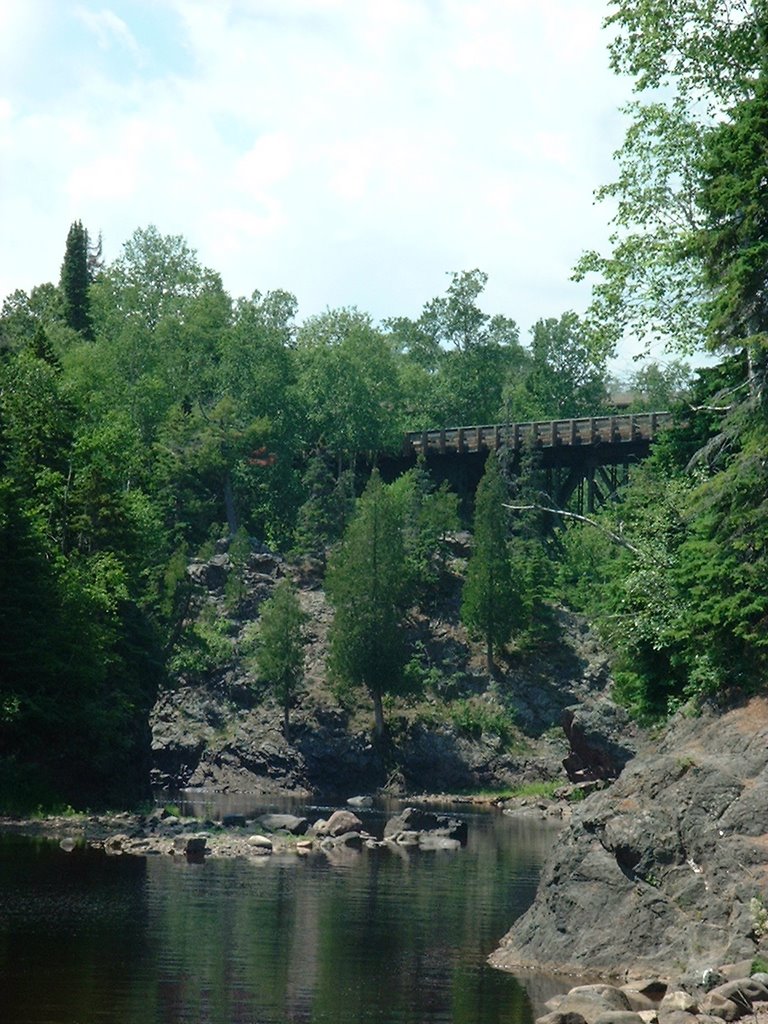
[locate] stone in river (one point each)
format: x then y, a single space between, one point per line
284 823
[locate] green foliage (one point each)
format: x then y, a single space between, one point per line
685 611
280 647
533 572
476 718
325 513
365 584
545 790
489 599
659 386
205 646
419 675
346 381
456 357
566 375
75 282
427 516
733 236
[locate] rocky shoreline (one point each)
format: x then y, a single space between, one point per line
665 872
727 993
162 833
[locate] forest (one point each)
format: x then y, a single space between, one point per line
144 413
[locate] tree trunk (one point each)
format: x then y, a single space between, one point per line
489 656
378 716
287 723
229 505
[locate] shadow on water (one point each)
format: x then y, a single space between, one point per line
370 937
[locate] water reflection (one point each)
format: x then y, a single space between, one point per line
374 937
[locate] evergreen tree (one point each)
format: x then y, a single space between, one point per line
489 599
317 524
280 650
428 516
75 280
366 585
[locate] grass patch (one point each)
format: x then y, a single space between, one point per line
475 719
542 790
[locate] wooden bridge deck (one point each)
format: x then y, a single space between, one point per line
589 432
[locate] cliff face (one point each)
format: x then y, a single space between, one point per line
667 870
463 729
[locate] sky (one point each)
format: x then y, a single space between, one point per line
353 152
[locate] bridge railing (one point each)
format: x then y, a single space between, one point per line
589 430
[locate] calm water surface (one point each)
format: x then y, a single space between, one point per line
370 936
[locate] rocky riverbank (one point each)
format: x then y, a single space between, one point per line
666 870
162 833
726 994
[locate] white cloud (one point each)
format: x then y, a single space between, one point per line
108 29
352 152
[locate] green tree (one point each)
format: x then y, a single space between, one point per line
322 516
733 237
160 318
75 282
427 515
22 315
696 59
348 385
76 711
658 386
456 357
489 598
365 584
566 376
280 647
257 373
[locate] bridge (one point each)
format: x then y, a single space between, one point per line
584 460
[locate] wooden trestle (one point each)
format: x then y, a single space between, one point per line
585 460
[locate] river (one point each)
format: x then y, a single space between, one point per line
368 936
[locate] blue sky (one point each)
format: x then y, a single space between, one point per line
354 152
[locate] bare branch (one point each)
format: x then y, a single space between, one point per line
615 537
711 408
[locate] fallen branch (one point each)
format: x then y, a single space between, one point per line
616 537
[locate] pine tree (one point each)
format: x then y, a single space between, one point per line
317 524
75 281
489 600
366 585
280 651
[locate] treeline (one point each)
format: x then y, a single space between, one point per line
143 412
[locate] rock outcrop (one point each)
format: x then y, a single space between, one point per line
217 730
666 870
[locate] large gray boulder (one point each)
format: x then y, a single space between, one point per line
339 823
591 1001
414 819
284 823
